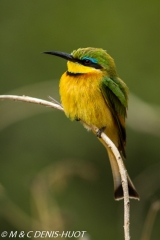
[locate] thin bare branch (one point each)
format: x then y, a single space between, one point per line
123 173
32 100
110 144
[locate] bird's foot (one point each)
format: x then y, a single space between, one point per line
77 119
100 131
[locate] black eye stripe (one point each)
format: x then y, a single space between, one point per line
91 64
88 63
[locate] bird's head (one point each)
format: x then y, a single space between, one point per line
85 60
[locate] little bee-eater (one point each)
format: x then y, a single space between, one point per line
92 92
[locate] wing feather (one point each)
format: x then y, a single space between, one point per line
115 96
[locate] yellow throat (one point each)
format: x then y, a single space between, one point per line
75 67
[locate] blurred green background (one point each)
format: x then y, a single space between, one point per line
54 175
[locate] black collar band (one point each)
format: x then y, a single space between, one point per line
73 74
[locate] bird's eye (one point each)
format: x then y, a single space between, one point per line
89 61
86 62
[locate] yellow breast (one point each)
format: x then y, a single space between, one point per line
82 98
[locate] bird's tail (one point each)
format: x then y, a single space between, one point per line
118 190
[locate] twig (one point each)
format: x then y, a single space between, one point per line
109 143
123 173
32 100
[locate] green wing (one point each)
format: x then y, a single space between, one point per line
115 94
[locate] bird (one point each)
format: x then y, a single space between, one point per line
92 92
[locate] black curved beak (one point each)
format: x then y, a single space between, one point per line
66 56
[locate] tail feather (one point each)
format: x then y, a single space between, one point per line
118 190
